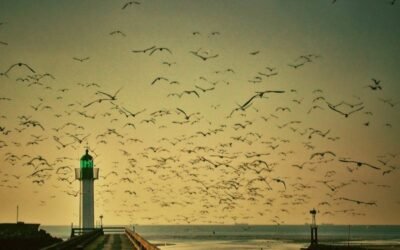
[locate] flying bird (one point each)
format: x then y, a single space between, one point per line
204 90
253 53
359 163
117 32
81 59
19 65
203 57
153 50
344 113
130 3
376 85
322 154
107 98
280 181
189 92
158 79
144 50
187 117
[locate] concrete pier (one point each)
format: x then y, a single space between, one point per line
111 242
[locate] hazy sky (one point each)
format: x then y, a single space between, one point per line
257 164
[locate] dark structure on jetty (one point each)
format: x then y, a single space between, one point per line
21 236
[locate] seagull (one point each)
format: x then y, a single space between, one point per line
169 64
128 113
214 33
117 32
144 50
343 113
109 97
19 65
129 4
159 49
357 201
376 85
196 53
187 117
158 79
204 90
359 163
81 59
189 92
322 154
253 53
280 181
295 66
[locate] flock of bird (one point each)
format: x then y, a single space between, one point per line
192 166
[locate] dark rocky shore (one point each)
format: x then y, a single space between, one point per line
21 236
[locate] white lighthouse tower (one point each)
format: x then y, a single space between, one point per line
86 174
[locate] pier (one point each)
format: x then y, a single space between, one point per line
104 238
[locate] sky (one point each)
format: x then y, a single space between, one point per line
188 130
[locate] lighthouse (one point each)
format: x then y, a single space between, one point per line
86 174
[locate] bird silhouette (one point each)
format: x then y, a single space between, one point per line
187 117
344 113
130 3
204 57
81 59
322 154
376 85
280 181
189 92
144 50
295 66
204 90
108 97
161 49
158 79
253 53
371 203
117 32
19 65
359 163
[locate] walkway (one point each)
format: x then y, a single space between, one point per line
111 242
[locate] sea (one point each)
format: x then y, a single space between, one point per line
243 236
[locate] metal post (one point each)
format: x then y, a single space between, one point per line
348 238
17 212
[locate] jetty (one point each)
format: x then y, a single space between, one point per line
103 238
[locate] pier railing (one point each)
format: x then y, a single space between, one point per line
76 231
139 242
